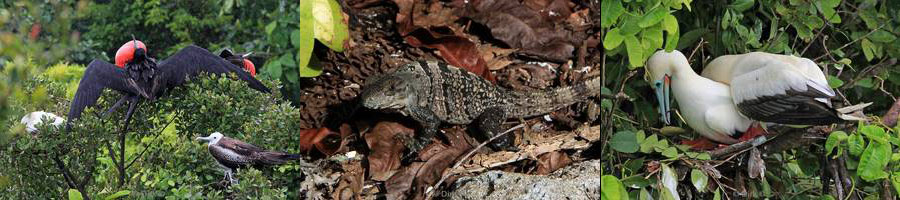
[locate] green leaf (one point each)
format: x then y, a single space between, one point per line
873 160
302 38
874 132
654 17
856 144
669 181
635 52
118 194
834 139
610 10
882 36
741 5
671 130
74 195
644 195
670 152
612 39
312 69
624 141
330 27
670 25
271 27
613 189
866 83
652 38
868 49
630 27
648 144
274 68
834 81
699 179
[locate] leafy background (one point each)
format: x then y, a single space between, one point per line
853 41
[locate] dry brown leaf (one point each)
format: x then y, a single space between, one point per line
323 139
438 157
386 148
495 56
552 161
521 27
351 183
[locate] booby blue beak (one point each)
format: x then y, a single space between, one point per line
662 96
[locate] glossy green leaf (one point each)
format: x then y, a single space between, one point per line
624 141
741 5
834 139
699 180
873 160
612 39
330 28
635 52
834 81
610 10
612 188
874 132
302 38
75 195
670 152
653 17
669 181
652 39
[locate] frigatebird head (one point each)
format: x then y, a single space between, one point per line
139 67
661 67
212 138
239 59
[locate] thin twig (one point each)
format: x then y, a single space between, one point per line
466 158
146 147
856 40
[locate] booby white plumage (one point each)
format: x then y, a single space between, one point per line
776 88
34 118
706 105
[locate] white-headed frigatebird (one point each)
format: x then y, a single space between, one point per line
136 75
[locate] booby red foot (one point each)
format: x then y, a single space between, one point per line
754 131
700 144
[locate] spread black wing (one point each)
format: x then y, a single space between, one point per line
192 60
99 75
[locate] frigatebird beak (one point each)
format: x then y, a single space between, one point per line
246 54
662 96
203 138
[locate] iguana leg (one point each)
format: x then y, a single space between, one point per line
429 123
489 125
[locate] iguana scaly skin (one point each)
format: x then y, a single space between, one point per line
434 92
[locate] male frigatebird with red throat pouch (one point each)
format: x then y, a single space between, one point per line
137 75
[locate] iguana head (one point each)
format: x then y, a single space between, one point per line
390 92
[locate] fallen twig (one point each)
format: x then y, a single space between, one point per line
434 187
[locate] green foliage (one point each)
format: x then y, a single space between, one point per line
163 159
640 25
855 42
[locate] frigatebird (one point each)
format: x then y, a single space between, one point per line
239 59
136 75
232 154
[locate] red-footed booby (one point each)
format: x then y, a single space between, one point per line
232 154
777 88
706 105
34 118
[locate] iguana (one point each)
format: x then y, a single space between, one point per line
433 93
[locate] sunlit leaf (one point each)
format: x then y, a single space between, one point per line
873 160
635 52
699 179
612 39
74 195
610 10
856 144
834 81
612 189
302 38
118 195
669 181
834 139
653 17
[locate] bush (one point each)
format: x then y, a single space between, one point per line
162 159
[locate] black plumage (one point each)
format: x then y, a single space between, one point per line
143 77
